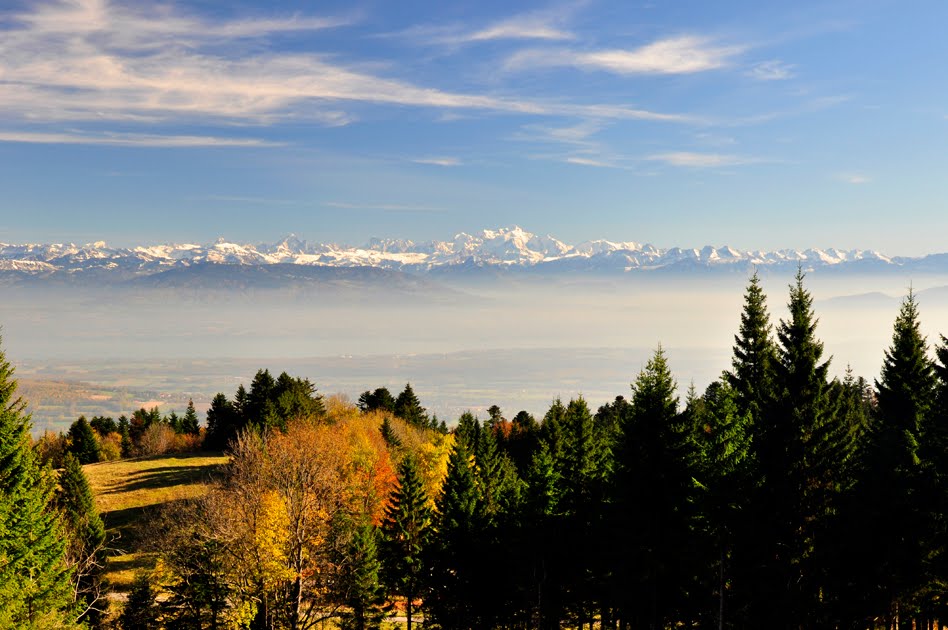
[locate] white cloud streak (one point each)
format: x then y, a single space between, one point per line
546 25
855 179
676 55
387 207
774 70
438 161
87 60
582 161
691 159
132 140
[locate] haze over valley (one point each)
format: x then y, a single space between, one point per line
504 317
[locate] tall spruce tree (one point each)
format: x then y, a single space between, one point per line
189 423
34 579
754 354
583 465
935 452
379 400
551 430
893 487
409 409
804 441
223 423
85 535
388 434
655 491
498 487
406 533
724 442
582 471
360 580
449 600
83 442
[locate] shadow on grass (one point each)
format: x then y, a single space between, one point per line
122 569
168 476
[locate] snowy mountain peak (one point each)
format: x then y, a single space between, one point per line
505 248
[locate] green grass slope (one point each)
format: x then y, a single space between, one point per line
127 491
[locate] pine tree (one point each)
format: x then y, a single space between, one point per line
388 434
259 407
409 409
724 442
453 556
222 424
542 485
468 430
173 421
893 486
935 455
361 578
805 440
293 398
85 535
498 487
754 355
524 441
189 423
551 431
140 612
655 492
406 533
123 429
583 464
34 579
83 442
103 425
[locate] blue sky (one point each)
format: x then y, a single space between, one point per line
752 124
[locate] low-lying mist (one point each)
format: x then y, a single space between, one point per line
516 343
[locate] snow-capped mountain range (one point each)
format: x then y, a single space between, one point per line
502 249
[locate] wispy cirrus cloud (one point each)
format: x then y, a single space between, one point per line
774 70
132 139
579 135
548 25
438 161
243 199
585 161
691 159
385 207
577 142
855 179
677 55
90 60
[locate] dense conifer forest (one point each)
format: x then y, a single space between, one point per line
776 498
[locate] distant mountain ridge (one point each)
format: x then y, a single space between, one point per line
505 249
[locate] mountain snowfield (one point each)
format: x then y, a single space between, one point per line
506 248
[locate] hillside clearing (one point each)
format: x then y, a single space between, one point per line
127 490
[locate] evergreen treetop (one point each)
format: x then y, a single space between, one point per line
409 409
83 442
754 353
34 579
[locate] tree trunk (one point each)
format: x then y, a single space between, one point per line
721 591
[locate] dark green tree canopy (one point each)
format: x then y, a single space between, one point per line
379 400
83 442
35 587
754 353
189 423
409 409
406 534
